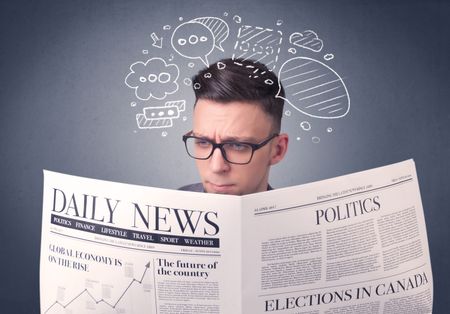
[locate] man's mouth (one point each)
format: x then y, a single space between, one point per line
220 187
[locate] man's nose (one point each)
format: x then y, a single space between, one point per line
218 162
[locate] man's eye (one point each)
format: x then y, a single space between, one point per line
238 147
202 143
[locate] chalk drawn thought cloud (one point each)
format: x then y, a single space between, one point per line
197 38
153 79
313 88
306 39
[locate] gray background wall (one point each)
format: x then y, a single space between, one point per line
65 107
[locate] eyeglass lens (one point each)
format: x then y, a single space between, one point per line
235 152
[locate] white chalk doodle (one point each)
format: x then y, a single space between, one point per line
193 40
328 56
197 38
164 134
307 39
305 125
259 44
153 79
160 116
218 27
157 42
221 65
313 88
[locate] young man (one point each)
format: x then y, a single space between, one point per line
236 129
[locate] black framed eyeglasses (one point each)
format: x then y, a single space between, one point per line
234 152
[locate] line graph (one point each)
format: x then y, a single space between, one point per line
86 292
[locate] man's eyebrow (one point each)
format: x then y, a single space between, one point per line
228 138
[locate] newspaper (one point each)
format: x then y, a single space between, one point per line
351 244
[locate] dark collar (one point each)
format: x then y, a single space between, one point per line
198 187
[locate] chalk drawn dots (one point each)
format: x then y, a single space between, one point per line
315 140
328 56
221 65
305 125
187 81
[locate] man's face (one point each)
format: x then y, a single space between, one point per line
234 121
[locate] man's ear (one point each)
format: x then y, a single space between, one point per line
279 148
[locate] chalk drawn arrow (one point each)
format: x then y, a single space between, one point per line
157 42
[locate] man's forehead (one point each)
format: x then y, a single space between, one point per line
206 108
233 121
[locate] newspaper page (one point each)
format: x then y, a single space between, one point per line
117 248
352 244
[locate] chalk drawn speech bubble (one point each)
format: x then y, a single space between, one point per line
193 40
313 88
218 27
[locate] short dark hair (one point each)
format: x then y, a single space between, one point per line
230 80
